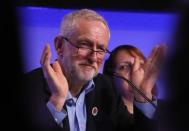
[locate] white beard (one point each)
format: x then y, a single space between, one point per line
82 74
77 73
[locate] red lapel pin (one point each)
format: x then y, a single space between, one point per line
94 111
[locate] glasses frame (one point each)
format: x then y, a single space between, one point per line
91 50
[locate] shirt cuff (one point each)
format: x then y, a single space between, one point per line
147 108
57 115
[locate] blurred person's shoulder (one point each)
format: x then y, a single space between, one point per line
33 78
34 71
34 74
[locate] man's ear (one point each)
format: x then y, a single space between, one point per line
58 42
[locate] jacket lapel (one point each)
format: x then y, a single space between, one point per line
90 104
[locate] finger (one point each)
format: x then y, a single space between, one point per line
151 59
136 64
47 55
153 54
159 57
45 52
150 68
136 61
140 58
133 54
162 52
45 61
153 65
57 67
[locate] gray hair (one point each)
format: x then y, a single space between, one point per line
69 20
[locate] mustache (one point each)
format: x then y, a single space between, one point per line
88 64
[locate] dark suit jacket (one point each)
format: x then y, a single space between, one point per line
112 114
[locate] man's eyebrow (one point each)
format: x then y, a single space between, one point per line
90 43
87 41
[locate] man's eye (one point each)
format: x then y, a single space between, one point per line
83 44
101 50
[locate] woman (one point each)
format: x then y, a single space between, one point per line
129 62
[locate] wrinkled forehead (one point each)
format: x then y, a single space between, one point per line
95 31
91 26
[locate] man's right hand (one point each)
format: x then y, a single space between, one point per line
55 78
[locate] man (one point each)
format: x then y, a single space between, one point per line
70 94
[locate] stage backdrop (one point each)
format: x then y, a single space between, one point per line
142 29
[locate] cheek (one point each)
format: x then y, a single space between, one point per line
69 59
99 63
125 74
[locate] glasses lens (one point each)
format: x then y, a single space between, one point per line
84 51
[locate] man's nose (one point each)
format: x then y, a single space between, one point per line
93 56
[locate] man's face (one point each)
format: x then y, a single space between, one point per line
83 67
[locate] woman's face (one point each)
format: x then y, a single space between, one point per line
124 62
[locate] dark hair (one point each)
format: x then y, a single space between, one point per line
109 64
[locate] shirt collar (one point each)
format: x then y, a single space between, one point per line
87 88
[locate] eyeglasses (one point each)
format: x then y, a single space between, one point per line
84 51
